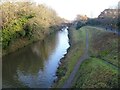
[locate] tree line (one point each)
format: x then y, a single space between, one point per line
109 18
26 20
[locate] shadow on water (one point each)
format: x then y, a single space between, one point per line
35 66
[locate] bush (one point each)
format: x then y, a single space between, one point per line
79 25
13 31
27 19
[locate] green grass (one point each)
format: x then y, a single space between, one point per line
94 73
77 40
103 44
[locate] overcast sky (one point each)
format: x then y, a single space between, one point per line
68 9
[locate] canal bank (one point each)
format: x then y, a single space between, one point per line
20 43
76 50
35 66
100 69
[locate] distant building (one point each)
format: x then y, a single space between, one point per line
109 18
109 13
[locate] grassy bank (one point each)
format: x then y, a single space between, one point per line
101 69
95 73
77 42
24 41
103 45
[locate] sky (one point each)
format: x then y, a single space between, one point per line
68 9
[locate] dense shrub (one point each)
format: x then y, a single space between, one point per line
23 19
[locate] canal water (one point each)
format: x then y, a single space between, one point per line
35 65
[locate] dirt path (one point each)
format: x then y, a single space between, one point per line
69 81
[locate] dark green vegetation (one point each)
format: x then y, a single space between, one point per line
79 25
109 18
101 68
80 21
25 22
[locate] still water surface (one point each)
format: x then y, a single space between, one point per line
35 65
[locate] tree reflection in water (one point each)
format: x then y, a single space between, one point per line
34 66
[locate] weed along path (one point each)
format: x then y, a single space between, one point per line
69 81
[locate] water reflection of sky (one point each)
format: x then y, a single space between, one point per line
42 77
